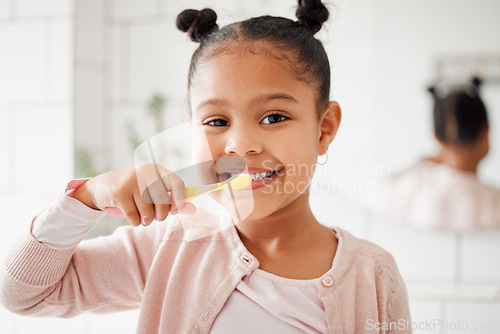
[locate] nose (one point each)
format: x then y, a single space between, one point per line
243 140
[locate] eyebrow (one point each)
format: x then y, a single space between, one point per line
257 99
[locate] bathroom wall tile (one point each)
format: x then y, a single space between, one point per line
127 120
6 321
49 325
487 172
331 210
23 61
132 8
90 115
419 254
120 322
43 152
90 30
5 147
224 9
126 123
158 63
247 9
5 8
91 123
230 11
477 318
118 59
480 255
17 209
424 316
452 291
47 7
60 63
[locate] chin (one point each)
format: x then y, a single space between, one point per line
241 206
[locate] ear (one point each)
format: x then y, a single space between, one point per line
484 137
486 132
328 125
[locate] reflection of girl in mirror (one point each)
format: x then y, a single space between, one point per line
443 191
258 90
461 128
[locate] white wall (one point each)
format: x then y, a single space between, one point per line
36 119
36 111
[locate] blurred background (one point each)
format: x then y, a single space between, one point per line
83 82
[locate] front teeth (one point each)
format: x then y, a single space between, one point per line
259 176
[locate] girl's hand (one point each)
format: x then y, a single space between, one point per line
138 192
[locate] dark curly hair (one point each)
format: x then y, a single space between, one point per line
306 55
460 116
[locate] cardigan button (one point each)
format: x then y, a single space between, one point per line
327 281
246 258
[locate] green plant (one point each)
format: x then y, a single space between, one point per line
155 110
84 166
156 106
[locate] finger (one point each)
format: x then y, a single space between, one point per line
158 195
177 191
129 209
188 209
149 180
146 210
161 211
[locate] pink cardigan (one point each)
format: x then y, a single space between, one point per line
181 280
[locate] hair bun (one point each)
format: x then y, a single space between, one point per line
311 14
473 88
433 92
197 23
476 82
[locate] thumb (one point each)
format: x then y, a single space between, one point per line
188 209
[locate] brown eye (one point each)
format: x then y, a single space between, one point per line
218 122
274 118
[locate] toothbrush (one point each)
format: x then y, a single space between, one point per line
235 182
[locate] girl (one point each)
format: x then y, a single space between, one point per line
443 191
259 91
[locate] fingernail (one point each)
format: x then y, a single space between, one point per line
185 208
143 221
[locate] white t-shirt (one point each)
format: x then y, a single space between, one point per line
282 305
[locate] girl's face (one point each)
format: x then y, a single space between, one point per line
253 107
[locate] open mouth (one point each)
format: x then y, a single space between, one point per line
255 176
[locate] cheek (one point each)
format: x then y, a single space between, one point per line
303 147
302 152
300 166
